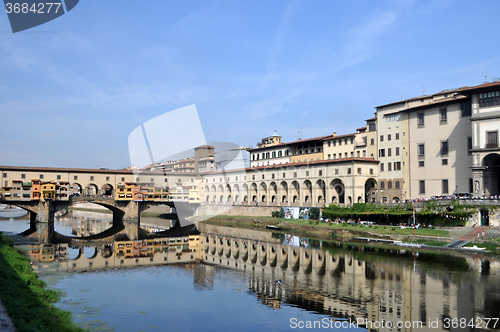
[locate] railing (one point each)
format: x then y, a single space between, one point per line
491 145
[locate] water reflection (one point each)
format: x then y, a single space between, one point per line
364 284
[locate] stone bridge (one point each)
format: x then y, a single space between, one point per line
126 217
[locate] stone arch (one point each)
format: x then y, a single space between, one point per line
273 192
284 192
295 192
320 191
491 174
244 192
76 189
370 190
307 187
91 190
263 192
107 190
253 192
338 191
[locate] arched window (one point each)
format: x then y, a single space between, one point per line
397 184
389 185
382 185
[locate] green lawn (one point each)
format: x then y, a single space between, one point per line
282 222
379 229
25 297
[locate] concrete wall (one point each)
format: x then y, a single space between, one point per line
258 211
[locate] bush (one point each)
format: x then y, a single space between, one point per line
275 214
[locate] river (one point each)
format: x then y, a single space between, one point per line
253 280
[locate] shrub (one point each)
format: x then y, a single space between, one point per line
275 214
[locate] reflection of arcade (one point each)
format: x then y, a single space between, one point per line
92 256
360 282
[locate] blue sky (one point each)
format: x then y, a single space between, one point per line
73 89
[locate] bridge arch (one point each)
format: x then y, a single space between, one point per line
76 189
91 190
107 190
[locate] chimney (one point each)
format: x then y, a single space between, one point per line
334 134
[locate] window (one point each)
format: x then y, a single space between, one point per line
272 176
59 177
444 147
345 141
422 187
382 185
392 117
397 151
443 115
320 173
466 108
381 152
294 174
397 184
4 175
444 161
420 118
92 178
352 154
352 140
284 175
381 167
421 163
334 143
372 127
358 153
349 171
389 152
364 153
445 186
359 170
389 166
397 136
263 176
345 155
307 173
389 185
388 137
23 176
336 171
469 145
371 171
334 156
41 176
491 139
372 141
329 143
123 179
329 157
76 178
421 150
381 138
397 165
489 98
253 177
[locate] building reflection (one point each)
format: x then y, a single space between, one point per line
364 284
360 283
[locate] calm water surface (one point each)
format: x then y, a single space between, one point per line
274 283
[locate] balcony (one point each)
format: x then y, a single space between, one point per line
491 145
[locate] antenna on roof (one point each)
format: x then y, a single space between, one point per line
485 78
299 134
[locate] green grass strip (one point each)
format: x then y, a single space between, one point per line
25 297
